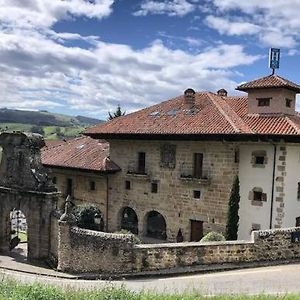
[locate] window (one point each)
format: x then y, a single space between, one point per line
141 162
298 192
236 156
263 101
197 194
257 196
127 185
54 180
154 187
198 165
92 185
69 187
259 158
288 102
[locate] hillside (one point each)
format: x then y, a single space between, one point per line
50 125
44 118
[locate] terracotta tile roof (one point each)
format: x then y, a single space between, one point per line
212 114
82 153
271 81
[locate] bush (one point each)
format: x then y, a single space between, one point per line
213 237
85 217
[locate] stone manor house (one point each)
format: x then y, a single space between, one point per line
166 172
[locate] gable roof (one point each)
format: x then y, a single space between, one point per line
81 153
271 81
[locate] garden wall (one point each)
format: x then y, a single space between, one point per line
87 251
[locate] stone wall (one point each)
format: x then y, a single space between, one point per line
85 251
82 193
53 250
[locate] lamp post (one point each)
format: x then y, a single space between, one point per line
97 219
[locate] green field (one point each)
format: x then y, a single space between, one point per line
11 290
50 132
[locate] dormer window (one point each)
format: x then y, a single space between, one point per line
263 101
288 102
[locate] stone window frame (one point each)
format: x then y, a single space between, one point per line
257 202
127 185
259 153
92 185
196 195
154 187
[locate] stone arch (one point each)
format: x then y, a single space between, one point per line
155 225
129 220
24 186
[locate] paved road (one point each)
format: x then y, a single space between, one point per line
271 280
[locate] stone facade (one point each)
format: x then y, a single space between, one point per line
83 193
174 199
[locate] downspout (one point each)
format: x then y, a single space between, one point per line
107 193
273 185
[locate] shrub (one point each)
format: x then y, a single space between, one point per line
85 217
213 237
232 225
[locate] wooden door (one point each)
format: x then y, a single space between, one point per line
196 230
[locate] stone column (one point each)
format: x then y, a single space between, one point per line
64 251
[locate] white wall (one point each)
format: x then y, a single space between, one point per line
291 203
251 177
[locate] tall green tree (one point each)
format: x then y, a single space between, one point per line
232 225
117 113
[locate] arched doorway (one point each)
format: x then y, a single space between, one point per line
156 225
129 220
18 232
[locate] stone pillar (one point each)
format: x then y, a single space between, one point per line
64 251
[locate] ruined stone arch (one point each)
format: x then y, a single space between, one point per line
155 225
129 220
24 185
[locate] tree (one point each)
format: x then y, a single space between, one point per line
117 113
232 225
37 129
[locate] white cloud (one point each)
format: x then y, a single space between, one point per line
277 22
42 71
168 7
225 26
44 13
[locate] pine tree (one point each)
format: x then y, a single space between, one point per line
117 113
232 225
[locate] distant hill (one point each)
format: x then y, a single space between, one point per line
50 125
44 118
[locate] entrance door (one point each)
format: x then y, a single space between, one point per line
196 230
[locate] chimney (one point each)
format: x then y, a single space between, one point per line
189 98
222 93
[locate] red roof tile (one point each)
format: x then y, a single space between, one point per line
271 81
212 114
82 153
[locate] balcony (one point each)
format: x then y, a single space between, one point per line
187 175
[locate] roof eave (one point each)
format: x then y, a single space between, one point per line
246 89
99 172
234 137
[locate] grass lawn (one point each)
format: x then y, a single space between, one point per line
23 237
11 290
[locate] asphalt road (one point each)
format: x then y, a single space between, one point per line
270 280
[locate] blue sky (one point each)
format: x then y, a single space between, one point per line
84 57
